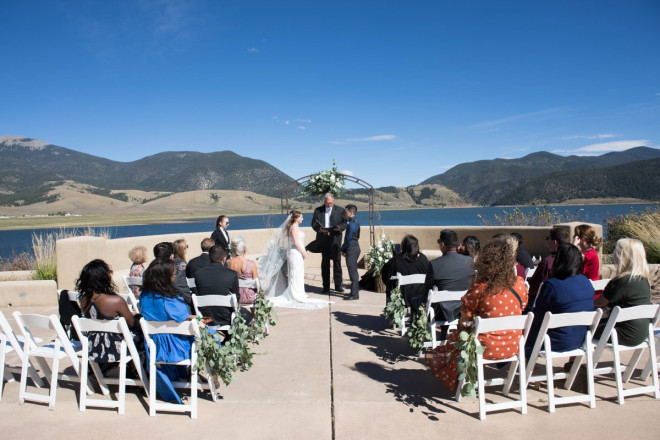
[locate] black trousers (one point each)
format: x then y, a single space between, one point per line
352 255
330 252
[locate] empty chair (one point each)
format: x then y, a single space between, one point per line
522 322
405 280
187 329
216 301
128 353
619 315
435 297
59 349
543 349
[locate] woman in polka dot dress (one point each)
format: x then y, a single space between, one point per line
496 292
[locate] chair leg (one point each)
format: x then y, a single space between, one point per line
53 381
23 385
481 389
550 377
654 366
193 392
617 374
98 374
2 366
122 383
634 360
568 384
523 381
459 387
509 378
84 365
590 378
152 385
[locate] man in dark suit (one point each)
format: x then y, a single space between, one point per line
220 235
216 279
453 272
329 221
201 261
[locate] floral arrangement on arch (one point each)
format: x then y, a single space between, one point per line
326 181
378 255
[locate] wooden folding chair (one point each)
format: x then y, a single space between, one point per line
650 312
523 322
128 353
543 349
435 297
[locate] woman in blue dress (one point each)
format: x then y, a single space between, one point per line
160 301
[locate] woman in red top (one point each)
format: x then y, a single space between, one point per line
496 292
585 238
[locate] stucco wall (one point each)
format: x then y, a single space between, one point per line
74 253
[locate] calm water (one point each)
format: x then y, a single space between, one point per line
18 241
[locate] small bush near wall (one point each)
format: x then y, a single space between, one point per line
539 217
645 227
22 261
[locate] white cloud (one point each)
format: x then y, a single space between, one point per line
596 136
253 50
605 147
301 127
377 138
304 121
337 142
540 115
347 173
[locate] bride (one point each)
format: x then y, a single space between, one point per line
282 267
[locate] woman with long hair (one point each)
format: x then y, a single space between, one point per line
470 246
99 300
496 292
629 287
585 238
409 261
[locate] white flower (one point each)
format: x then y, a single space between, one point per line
380 258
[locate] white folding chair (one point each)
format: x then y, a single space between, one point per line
650 312
132 301
250 283
600 284
435 297
543 348
133 283
530 272
9 342
191 283
185 328
60 348
405 280
128 353
650 365
505 323
216 301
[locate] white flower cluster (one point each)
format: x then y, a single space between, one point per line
326 181
378 255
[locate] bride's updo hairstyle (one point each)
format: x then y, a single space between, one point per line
294 216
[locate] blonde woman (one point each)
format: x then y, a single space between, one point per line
138 255
244 267
629 287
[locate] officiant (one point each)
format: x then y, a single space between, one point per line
329 221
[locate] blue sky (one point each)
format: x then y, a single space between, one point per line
394 91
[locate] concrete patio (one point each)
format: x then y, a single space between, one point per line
334 373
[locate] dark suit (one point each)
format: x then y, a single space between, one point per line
215 279
219 238
330 242
197 263
452 272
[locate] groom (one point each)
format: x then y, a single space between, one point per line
329 221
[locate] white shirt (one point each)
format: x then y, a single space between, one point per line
327 217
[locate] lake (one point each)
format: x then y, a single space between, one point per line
17 241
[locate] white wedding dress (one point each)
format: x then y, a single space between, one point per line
282 273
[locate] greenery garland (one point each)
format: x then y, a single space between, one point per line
395 310
467 362
263 316
419 333
326 181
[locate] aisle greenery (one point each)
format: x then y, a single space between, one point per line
467 362
263 316
419 333
395 310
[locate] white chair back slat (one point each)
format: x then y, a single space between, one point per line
600 284
530 272
486 325
186 328
191 283
214 301
405 280
250 283
571 319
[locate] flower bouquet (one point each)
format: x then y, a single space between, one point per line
376 257
326 181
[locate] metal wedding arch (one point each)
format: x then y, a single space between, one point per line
290 188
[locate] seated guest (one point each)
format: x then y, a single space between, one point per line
494 286
138 255
629 287
556 237
220 235
180 248
202 260
522 256
452 271
519 268
216 279
469 247
161 301
409 261
567 291
99 300
165 250
244 267
585 238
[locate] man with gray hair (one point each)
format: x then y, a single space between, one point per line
329 221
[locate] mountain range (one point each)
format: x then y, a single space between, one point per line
33 171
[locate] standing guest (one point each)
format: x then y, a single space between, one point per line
329 221
568 291
585 238
351 250
452 271
522 256
161 301
470 247
216 279
245 268
202 260
138 255
220 235
556 237
496 292
165 250
409 261
629 287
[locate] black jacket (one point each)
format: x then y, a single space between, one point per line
215 279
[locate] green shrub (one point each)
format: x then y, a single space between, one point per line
539 217
645 227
